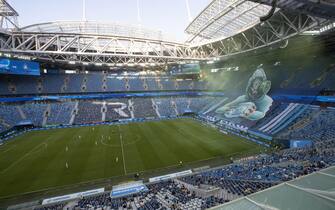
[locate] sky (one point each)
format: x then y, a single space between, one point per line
169 16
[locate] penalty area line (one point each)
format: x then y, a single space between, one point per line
23 157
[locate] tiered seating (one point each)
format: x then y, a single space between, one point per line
233 186
184 84
200 85
152 84
10 114
240 178
88 112
75 83
53 83
51 207
2 128
91 111
25 84
168 84
163 195
318 125
60 113
143 108
117 109
94 83
198 103
4 86
182 104
136 84
115 84
91 83
165 107
241 187
34 112
274 168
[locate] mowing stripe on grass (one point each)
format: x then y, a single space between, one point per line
148 147
23 157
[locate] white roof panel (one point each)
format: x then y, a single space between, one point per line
225 18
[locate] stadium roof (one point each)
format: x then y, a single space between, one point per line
323 9
314 191
223 28
6 9
8 16
96 28
225 18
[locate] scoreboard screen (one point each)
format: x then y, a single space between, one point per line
19 67
191 68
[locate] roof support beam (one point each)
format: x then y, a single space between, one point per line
282 26
107 50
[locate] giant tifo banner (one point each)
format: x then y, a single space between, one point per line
19 67
253 103
266 90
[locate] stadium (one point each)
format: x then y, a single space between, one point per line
239 114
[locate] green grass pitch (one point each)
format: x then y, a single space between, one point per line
59 157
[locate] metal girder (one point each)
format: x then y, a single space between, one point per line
225 27
97 28
282 26
94 48
8 16
320 8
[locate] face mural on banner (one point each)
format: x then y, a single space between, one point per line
255 102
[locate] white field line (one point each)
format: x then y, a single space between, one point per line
124 161
9 149
106 178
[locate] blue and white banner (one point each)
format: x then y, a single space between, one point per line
128 189
20 67
170 176
72 196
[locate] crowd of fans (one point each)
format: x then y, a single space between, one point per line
117 109
60 113
10 115
274 168
315 124
92 111
312 122
34 112
136 84
88 111
165 107
163 195
143 108
152 83
238 179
